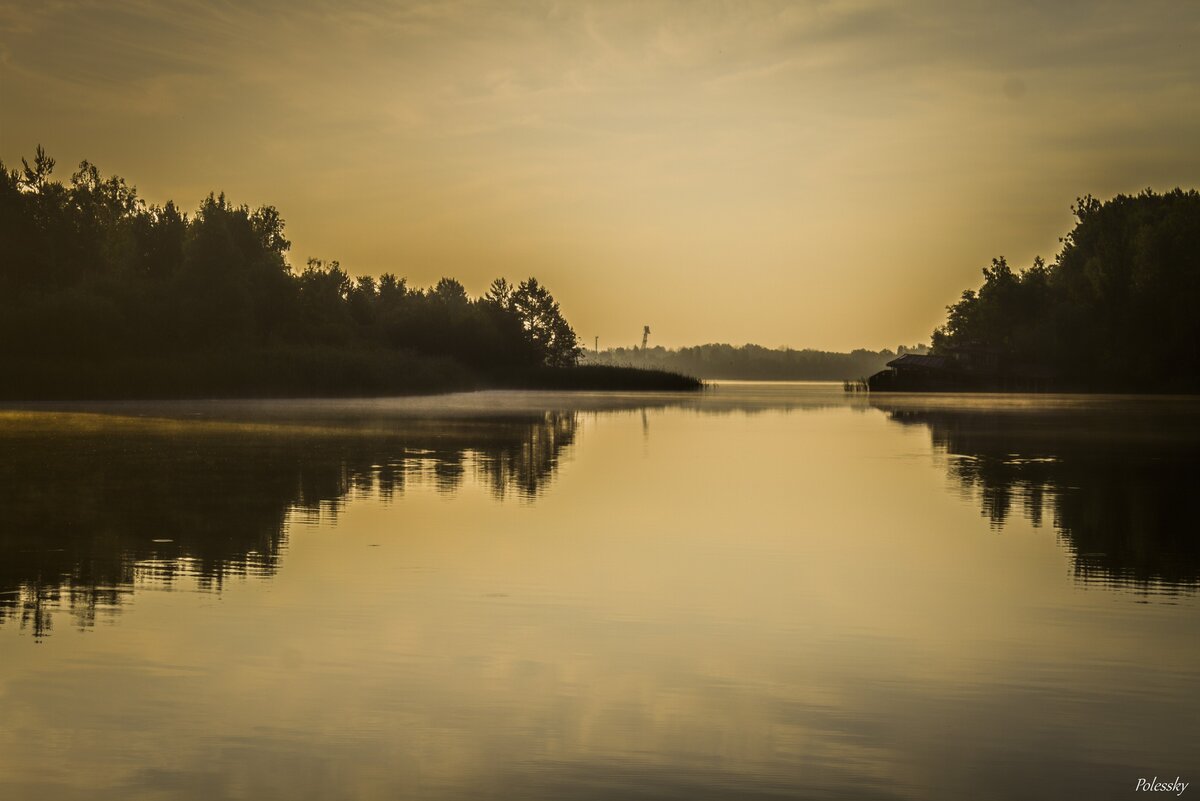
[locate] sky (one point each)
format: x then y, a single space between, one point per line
803 174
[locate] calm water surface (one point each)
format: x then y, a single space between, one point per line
770 590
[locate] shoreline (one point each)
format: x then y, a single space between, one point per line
296 373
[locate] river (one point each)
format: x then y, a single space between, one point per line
761 591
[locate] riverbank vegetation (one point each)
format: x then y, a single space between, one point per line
104 295
1117 310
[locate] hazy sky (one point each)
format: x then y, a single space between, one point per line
822 175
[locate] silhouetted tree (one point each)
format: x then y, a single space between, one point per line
91 272
1116 309
545 328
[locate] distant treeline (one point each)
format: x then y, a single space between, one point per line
1118 310
749 362
104 294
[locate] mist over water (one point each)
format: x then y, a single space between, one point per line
766 590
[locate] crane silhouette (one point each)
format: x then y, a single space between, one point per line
645 335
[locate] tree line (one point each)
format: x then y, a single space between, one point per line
1116 310
749 362
91 271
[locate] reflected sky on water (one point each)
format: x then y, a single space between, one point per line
767 590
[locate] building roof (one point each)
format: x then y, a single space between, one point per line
919 361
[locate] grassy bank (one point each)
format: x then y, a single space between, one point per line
595 377
310 372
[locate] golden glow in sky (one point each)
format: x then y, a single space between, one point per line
825 175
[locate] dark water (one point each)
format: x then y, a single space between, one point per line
773 590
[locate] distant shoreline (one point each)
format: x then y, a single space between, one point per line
750 362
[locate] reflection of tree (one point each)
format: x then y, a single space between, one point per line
524 465
1120 485
91 510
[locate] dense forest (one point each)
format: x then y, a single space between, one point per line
750 362
102 294
1117 310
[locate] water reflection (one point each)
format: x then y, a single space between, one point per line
769 604
101 497
1117 481
96 505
